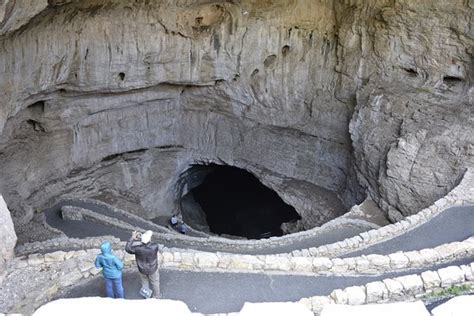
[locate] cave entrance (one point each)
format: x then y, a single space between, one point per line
227 200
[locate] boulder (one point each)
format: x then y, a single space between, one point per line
7 236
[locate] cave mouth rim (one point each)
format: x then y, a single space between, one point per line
184 190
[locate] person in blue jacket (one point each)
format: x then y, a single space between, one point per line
111 270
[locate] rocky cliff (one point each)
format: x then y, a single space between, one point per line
323 100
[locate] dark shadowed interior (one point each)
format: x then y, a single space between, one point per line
235 202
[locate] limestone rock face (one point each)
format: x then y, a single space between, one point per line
321 100
7 235
413 124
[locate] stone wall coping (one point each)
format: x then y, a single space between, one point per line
79 265
404 288
461 195
193 260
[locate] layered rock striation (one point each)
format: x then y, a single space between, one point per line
323 101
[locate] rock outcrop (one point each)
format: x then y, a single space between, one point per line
318 99
8 237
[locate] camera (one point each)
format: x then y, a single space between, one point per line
137 235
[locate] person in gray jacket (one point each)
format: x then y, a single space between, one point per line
146 256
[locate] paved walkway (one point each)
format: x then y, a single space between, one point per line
227 292
81 229
453 224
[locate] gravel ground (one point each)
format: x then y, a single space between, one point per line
36 230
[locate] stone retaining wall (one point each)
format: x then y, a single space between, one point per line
462 195
223 262
62 269
204 261
404 288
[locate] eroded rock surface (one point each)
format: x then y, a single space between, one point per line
117 99
7 236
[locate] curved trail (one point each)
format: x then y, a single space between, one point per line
81 229
227 292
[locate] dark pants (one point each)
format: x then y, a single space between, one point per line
114 288
152 280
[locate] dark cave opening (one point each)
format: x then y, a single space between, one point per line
233 201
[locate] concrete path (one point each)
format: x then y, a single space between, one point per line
227 292
454 224
81 229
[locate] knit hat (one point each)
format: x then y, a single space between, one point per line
146 236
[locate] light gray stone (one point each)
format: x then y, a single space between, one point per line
355 295
398 260
339 296
412 284
394 287
430 279
321 264
7 235
206 260
339 265
451 275
376 291
302 264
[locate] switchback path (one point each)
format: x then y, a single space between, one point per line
226 292
81 229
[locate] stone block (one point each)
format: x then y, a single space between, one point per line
376 291
415 258
451 275
394 287
468 274
186 260
318 302
321 264
302 264
339 265
398 260
224 261
379 261
355 295
412 284
206 260
362 264
339 296
272 263
56 256
453 250
429 255
430 279
284 263
35 259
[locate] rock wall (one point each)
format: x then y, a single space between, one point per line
116 99
8 237
413 124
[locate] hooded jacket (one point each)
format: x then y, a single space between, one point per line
110 264
146 255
